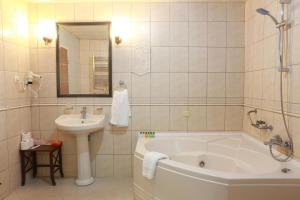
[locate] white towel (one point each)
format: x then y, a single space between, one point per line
120 109
149 163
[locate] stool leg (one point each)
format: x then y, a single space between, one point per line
34 164
23 170
52 169
60 162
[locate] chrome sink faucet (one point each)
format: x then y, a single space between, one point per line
83 112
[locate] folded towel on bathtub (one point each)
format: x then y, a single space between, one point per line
149 163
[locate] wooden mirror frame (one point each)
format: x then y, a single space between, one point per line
58 61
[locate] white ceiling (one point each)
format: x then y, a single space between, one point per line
91 32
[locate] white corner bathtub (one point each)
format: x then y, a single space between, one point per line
234 166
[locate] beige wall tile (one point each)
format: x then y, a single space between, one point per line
160 33
102 143
198 34
141 118
234 85
178 122
160 118
236 11
198 59
216 85
235 34
217 35
235 61
122 165
217 11
216 59
178 85
65 12
104 165
160 59
160 85
84 12
179 11
197 84
198 11
122 142
215 117
197 119
234 118
103 11
179 59
160 11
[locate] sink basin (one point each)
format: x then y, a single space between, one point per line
81 128
75 125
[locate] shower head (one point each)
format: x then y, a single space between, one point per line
263 11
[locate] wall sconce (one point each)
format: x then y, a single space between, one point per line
46 31
121 29
47 40
118 40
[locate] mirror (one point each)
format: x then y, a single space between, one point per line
84 67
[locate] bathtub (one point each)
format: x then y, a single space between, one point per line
214 166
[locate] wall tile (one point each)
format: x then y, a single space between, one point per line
216 59
217 11
198 11
160 59
122 142
235 34
198 34
216 85
198 59
160 85
179 59
141 118
197 85
177 120
160 33
160 11
122 166
179 34
178 85
84 12
234 85
179 11
197 120
216 34
105 165
215 117
160 118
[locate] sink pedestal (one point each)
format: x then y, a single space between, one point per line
83 159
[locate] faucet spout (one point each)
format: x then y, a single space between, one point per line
83 112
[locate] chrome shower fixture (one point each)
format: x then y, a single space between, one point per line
266 12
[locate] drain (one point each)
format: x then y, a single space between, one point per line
285 170
201 164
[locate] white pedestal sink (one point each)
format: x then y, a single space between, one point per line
81 128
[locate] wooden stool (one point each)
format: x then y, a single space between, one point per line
29 161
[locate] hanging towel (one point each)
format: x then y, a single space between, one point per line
120 109
149 163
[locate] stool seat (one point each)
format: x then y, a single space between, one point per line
29 161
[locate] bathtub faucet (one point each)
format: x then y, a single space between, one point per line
278 141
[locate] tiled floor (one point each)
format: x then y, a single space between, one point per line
102 189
